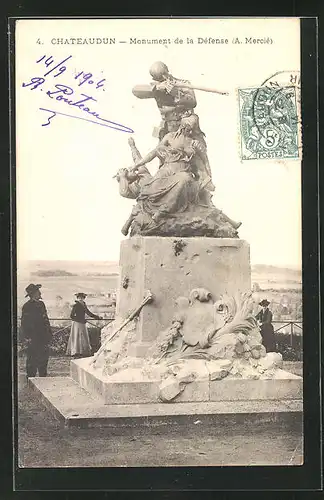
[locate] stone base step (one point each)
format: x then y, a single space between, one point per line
126 389
72 405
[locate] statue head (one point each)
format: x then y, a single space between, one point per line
190 123
159 71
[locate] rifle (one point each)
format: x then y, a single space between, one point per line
147 299
146 91
197 87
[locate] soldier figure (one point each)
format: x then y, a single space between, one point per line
36 331
173 101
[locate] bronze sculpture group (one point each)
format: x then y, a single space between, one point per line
206 338
177 200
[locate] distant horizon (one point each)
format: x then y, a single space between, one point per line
116 262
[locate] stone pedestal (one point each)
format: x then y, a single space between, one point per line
283 386
172 267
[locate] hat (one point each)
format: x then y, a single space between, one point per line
80 295
264 303
30 289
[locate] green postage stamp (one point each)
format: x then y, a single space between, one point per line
269 123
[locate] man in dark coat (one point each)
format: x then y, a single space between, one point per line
264 318
36 331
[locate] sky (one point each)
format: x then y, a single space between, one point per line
68 206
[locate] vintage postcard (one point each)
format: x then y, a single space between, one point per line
159 243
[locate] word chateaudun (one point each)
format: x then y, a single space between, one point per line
159 41
83 41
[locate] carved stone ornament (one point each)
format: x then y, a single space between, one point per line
206 340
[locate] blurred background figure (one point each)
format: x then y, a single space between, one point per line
264 318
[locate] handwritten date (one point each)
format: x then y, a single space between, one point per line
69 96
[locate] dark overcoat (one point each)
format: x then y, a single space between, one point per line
35 325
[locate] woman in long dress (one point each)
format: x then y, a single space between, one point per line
79 343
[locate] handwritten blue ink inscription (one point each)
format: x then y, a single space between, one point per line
69 96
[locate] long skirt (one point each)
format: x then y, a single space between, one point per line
79 343
268 338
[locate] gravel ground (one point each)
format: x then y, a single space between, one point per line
43 442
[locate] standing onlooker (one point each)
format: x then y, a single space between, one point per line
264 318
79 343
36 331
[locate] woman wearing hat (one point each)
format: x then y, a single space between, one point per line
264 318
79 343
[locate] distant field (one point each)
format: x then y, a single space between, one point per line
100 278
266 283
273 277
67 286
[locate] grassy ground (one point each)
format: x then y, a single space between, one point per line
56 365
43 442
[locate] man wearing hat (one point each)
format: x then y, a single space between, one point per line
36 331
79 342
264 318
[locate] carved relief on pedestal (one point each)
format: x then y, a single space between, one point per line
206 340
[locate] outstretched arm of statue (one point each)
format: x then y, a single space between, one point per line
152 154
135 152
143 91
149 157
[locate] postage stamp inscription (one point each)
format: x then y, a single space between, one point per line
268 123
